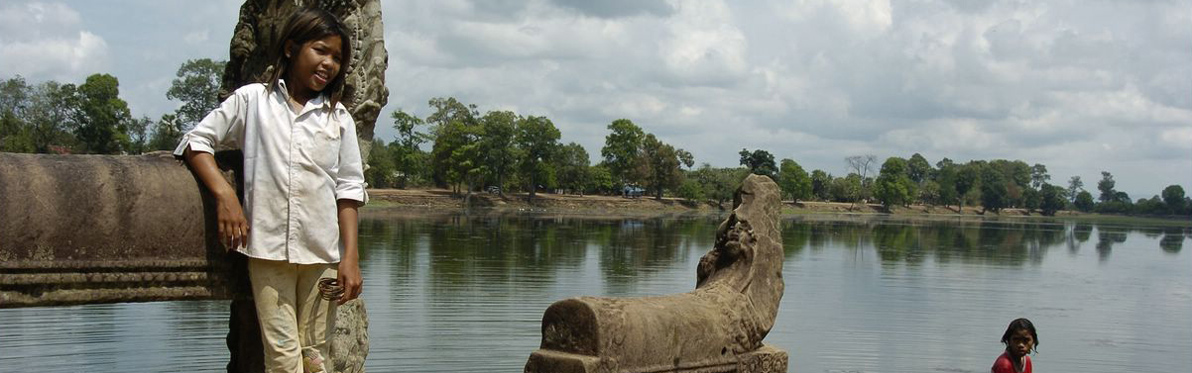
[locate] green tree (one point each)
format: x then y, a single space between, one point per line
659 166
793 180
459 155
862 165
719 184
1084 201
1039 176
382 171
496 144
759 162
166 134
1074 187
846 189
691 190
685 158
197 86
138 135
621 148
538 139
446 112
893 186
101 118
600 180
1106 187
15 97
994 191
408 158
820 181
1052 199
918 170
571 164
1173 197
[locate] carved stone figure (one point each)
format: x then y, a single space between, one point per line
718 327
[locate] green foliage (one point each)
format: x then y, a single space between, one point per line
1051 199
408 157
1074 187
1106 187
691 190
1084 201
1174 198
166 134
571 165
893 186
918 170
453 125
600 180
539 140
659 166
719 184
101 118
197 86
621 149
793 180
994 192
685 157
381 172
1039 176
759 162
820 181
498 153
846 189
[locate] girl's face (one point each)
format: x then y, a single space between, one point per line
316 64
1021 343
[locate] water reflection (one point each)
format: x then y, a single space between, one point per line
465 293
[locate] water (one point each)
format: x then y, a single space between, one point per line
456 293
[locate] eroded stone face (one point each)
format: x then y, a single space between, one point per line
256 36
718 327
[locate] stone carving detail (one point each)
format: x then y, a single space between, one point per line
365 94
718 327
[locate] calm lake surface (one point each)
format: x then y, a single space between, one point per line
455 293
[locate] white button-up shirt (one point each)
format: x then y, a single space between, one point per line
297 164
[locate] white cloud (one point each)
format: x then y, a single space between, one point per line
46 41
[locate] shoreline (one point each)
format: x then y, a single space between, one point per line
443 200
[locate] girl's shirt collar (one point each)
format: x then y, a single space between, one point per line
318 101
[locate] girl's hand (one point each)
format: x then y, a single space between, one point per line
233 227
349 278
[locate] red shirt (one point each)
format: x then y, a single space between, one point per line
1005 364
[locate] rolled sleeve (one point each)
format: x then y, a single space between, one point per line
349 180
222 128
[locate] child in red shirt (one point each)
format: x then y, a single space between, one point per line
1020 339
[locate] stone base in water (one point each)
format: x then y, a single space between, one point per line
766 359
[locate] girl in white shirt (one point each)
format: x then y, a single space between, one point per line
303 182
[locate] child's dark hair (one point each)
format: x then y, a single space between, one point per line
1021 324
306 25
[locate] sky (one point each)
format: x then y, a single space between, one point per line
1079 86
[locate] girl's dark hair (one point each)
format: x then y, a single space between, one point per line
306 25
1021 324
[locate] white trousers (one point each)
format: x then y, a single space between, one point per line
296 323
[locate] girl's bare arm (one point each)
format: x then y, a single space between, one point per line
233 227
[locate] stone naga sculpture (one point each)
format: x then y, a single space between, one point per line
718 327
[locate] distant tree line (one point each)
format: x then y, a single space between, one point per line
500 151
91 118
